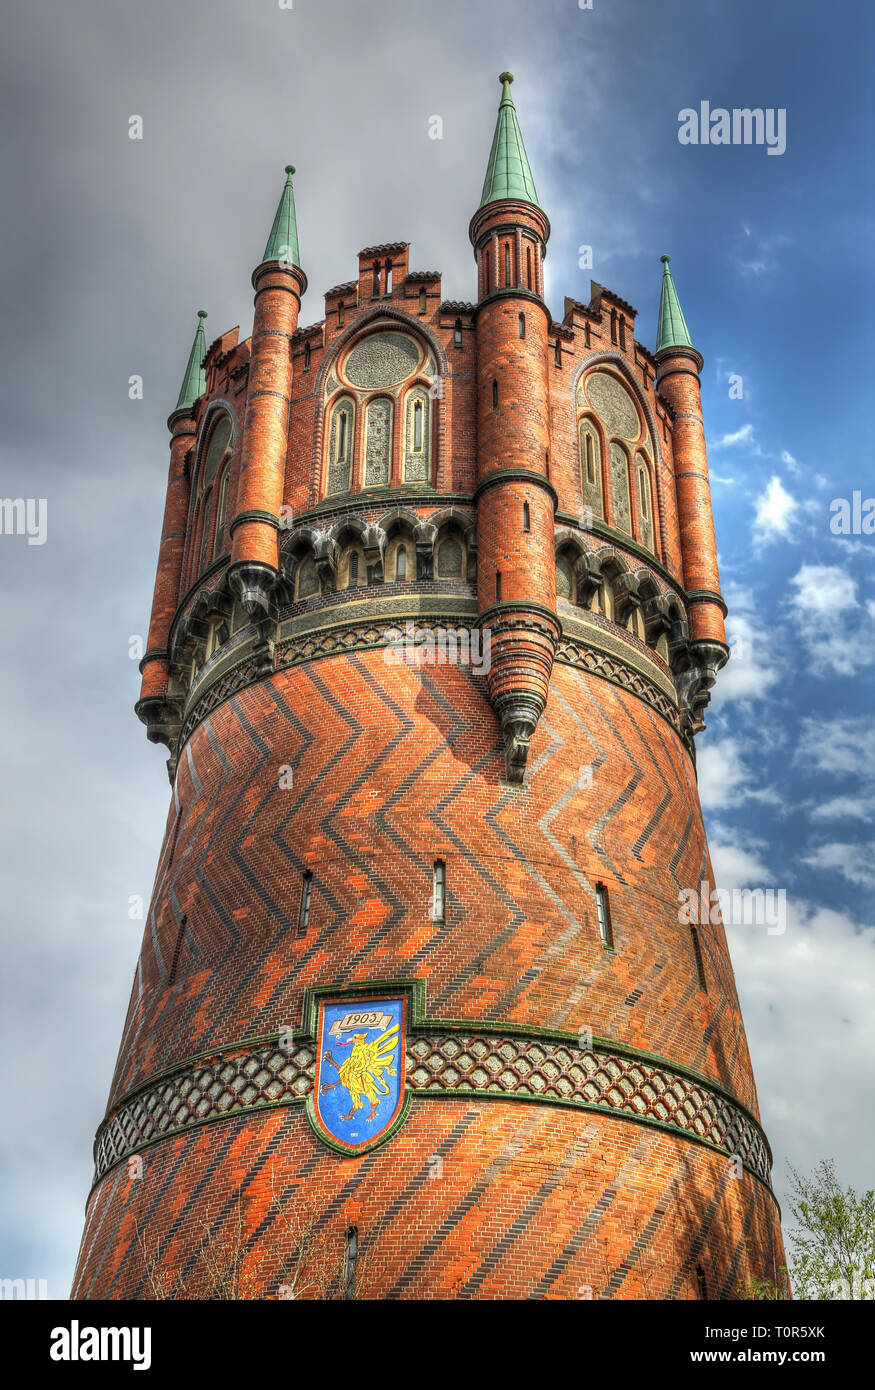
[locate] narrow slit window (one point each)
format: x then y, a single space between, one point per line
623 331
439 891
350 1259
340 314
604 915
354 567
701 1285
401 563
558 353
613 325
527 517
700 964
529 267
388 277
304 914
417 426
586 335
507 262
457 333
498 586
522 325
306 357
590 461
376 280
341 436
422 301
495 395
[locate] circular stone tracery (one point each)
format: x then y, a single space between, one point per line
381 360
613 404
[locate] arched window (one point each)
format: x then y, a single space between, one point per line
352 571
422 301
620 488
564 579
417 436
340 447
222 510
645 503
215 453
306 578
378 442
206 514
450 558
591 468
401 559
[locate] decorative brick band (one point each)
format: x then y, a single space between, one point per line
443 1062
371 634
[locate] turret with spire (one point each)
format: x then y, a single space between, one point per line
678 367
279 283
516 581
158 711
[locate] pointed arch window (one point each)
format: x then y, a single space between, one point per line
645 502
222 510
450 558
564 579
340 439
378 442
206 513
620 488
591 468
306 578
417 436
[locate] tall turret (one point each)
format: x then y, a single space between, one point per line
279 283
516 584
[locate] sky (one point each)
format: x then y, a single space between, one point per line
110 245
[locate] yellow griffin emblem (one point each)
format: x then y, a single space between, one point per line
361 1073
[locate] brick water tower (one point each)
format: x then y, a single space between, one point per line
436 618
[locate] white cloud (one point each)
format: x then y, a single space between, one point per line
729 441
843 747
855 863
845 808
834 627
776 510
724 777
808 1001
753 668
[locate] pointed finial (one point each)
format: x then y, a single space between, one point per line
508 174
673 331
194 383
282 244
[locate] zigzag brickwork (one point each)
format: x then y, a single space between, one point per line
580 1118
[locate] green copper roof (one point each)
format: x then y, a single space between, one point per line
508 174
194 382
282 244
673 331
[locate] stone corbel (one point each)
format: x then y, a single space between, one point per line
425 536
325 556
695 671
373 542
587 578
627 597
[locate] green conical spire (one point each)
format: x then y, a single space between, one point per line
508 174
282 244
194 383
673 331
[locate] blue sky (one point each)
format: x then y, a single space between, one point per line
111 245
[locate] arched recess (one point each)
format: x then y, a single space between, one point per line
214 456
648 520
417 443
592 488
400 560
661 475
341 446
378 442
390 318
455 543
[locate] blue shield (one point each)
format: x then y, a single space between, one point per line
361 1053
